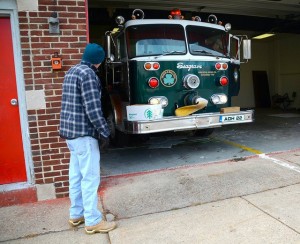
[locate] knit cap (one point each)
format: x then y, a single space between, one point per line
93 53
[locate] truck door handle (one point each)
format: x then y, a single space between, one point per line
14 102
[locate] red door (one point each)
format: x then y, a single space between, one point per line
12 163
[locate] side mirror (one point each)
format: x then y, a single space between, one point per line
108 45
247 49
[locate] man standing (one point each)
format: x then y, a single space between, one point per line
82 124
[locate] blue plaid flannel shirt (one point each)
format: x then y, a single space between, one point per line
81 111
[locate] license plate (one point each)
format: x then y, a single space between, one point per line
231 118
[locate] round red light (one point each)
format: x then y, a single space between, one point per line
218 66
153 82
156 66
224 81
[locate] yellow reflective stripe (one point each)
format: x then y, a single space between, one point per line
249 149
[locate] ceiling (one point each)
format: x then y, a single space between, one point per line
255 15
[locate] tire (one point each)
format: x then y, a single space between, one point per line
117 138
138 139
203 132
121 139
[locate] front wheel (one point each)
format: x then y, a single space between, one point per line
203 132
117 138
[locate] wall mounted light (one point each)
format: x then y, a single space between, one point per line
53 24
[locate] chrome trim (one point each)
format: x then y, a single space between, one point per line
192 122
191 81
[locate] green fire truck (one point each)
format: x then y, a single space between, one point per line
172 74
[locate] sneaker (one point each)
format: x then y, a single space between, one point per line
76 222
102 227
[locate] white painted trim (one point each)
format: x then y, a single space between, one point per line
9 8
184 23
181 58
15 186
8 5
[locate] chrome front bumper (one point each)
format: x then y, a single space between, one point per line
192 122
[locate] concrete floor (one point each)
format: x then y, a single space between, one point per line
246 202
272 131
168 190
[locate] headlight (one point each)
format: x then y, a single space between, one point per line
228 27
120 20
219 99
159 100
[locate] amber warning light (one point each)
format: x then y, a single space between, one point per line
221 66
151 66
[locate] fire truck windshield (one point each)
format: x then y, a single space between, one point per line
169 39
206 41
156 39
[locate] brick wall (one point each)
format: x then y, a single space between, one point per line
50 154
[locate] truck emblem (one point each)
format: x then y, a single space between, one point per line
168 78
188 66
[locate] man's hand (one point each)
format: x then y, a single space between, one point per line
104 142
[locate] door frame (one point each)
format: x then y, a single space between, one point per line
9 9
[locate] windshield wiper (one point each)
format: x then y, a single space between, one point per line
169 53
202 51
209 53
173 52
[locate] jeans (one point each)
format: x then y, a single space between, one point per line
84 179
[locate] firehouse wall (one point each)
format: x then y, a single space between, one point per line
274 55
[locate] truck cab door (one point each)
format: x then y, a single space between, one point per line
117 65
234 66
